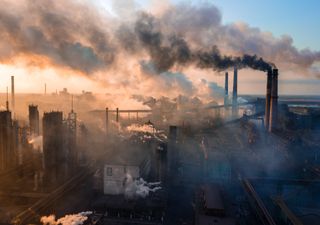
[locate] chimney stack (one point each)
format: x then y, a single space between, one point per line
117 115
107 120
226 83
226 86
7 102
274 102
268 99
12 95
235 92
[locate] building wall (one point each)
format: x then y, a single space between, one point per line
34 120
54 155
6 140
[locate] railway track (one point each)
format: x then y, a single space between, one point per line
34 210
257 204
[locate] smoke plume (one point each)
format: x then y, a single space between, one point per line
132 48
139 188
74 219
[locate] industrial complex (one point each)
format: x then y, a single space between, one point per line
250 162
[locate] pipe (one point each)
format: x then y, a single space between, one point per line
268 99
274 102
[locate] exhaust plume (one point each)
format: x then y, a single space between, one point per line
147 49
74 219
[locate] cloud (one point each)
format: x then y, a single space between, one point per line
137 51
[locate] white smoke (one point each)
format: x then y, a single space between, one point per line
139 188
37 142
73 219
145 128
148 130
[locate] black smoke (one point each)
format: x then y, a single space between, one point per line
178 52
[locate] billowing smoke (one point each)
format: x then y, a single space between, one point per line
37 142
145 132
147 49
178 52
74 219
139 188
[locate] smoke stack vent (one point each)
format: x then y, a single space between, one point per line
268 99
274 102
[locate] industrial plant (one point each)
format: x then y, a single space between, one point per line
176 112
249 162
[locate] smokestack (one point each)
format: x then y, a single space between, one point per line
235 92
12 95
107 120
274 102
226 83
268 99
117 115
7 102
71 103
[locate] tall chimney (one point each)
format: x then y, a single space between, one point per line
107 120
274 102
235 92
117 115
7 102
226 83
226 86
12 95
268 99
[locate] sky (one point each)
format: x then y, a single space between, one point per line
298 19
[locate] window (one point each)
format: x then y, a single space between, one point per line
109 171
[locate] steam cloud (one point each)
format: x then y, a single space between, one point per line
78 36
74 219
37 142
139 188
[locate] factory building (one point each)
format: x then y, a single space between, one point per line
71 142
6 141
34 120
54 154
